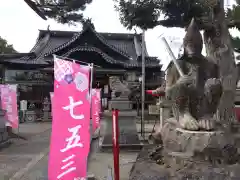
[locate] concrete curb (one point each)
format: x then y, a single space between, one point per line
5 144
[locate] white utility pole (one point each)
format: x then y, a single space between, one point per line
143 84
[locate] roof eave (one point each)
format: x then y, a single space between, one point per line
16 55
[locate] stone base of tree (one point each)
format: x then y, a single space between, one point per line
189 155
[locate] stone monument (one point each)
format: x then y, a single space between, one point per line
119 96
195 143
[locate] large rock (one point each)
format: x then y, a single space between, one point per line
214 145
189 155
146 169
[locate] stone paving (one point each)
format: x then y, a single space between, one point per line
38 172
29 160
17 158
97 166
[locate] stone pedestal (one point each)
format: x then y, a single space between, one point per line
128 135
189 155
217 145
120 104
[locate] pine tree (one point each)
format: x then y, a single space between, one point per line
6 48
211 18
177 13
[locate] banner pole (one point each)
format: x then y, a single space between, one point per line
90 96
91 85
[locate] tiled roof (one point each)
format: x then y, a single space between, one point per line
50 42
108 58
100 36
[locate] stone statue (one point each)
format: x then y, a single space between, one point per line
196 94
119 89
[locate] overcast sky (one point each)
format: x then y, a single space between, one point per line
20 25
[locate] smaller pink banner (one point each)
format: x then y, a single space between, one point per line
9 103
96 108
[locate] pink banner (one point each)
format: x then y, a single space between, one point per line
9 103
70 140
96 108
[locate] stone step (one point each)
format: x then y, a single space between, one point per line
128 136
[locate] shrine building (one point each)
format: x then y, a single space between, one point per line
115 54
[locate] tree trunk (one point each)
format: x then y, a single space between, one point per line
219 49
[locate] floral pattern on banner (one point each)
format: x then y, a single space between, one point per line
81 81
64 73
61 69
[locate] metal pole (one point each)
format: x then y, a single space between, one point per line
90 86
143 84
90 99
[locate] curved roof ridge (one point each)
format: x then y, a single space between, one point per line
73 39
103 40
105 56
87 48
76 36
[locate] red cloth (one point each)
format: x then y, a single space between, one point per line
156 95
237 110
